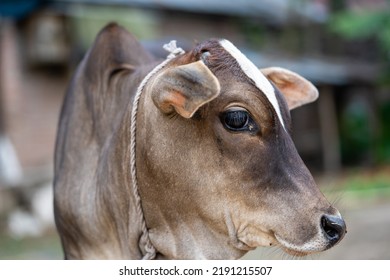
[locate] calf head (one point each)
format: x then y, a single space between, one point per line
218 171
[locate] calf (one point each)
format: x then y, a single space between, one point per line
211 172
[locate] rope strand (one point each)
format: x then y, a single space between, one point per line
149 250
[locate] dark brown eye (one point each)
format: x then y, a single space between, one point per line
238 120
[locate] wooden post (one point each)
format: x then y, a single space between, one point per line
330 139
10 169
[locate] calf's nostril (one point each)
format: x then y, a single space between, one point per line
333 227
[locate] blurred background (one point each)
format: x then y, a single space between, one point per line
342 46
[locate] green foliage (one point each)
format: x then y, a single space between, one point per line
44 247
363 24
88 21
366 24
359 25
383 145
355 131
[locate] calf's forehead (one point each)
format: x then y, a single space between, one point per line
226 58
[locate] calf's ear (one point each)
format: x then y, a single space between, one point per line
184 88
297 90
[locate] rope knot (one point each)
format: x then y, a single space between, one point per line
173 49
147 248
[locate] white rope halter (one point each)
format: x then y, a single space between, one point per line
149 250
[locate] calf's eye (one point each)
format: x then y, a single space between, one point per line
238 120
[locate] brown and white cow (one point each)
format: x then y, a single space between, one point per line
217 171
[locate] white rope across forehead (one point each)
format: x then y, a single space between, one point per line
145 244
